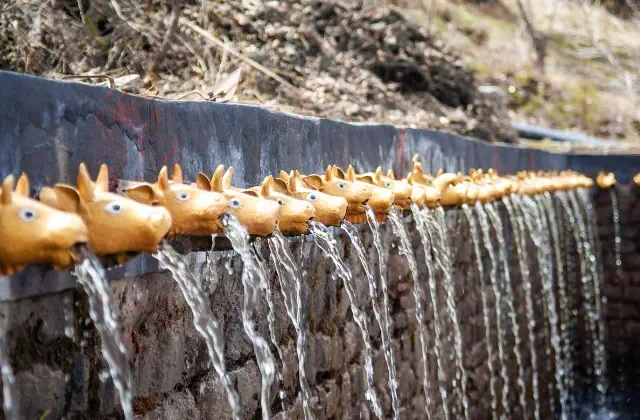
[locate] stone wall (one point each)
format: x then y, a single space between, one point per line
621 284
59 369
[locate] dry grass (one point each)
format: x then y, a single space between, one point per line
591 83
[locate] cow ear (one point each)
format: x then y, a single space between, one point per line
284 176
85 185
143 193
216 179
177 174
280 186
102 182
227 179
64 197
327 173
6 194
351 173
203 182
314 181
338 172
251 193
366 178
163 179
22 187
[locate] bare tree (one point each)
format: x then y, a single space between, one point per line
539 38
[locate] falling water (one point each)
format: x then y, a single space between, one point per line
483 293
405 249
565 361
254 281
543 245
422 223
8 380
584 227
443 259
203 319
508 298
282 373
292 292
616 226
325 240
521 245
91 276
380 317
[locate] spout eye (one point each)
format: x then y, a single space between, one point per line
312 197
235 203
388 184
27 215
113 208
280 201
342 186
182 196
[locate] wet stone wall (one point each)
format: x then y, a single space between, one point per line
621 282
61 374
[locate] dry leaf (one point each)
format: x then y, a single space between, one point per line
224 90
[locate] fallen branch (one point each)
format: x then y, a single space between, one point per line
173 24
112 83
235 53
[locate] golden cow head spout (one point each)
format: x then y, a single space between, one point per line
606 180
452 192
31 232
355 193
194 211
381 199
401 189
118 226
294 214
419 179
258 215
636 179
330 210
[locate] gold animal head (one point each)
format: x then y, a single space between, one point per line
294 214
606 180
32 232
418 178
401 188
330 210
194 211
636 179
118 226
452 191
381 199
258 215
356 194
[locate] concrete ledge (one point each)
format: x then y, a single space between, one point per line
48 127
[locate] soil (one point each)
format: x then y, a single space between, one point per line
345 61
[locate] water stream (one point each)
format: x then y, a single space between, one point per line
400 230
516 216
203 319
254 281
8 379
325 241
541 240
483 294
564 362
92 277
424 223
381 318
507 295
292 290
443 259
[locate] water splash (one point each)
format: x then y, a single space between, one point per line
400 231
203 319
292 292
381 317
483 293
254 281
325 241
91 276
517 222
8 380
424 221
566 364
444 260
509 300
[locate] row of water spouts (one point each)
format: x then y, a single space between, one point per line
87 226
